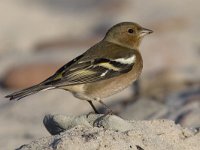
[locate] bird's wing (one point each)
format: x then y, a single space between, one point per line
102 61
59 72
93 70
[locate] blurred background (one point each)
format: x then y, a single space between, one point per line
39 36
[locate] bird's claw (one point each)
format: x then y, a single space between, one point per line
100 120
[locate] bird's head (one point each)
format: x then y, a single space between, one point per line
127 34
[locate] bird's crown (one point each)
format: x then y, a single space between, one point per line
128 34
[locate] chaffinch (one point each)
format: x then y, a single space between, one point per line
103 70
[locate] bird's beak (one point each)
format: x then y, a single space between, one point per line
145 31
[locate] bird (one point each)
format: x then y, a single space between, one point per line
105 69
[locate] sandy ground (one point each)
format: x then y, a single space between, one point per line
116 133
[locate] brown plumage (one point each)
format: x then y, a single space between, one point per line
103 70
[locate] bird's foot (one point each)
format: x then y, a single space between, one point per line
100 120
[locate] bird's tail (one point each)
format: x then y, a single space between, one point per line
26 92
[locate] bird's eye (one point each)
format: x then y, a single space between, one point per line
130 30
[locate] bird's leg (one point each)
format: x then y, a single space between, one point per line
109 111
92 105
99 121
